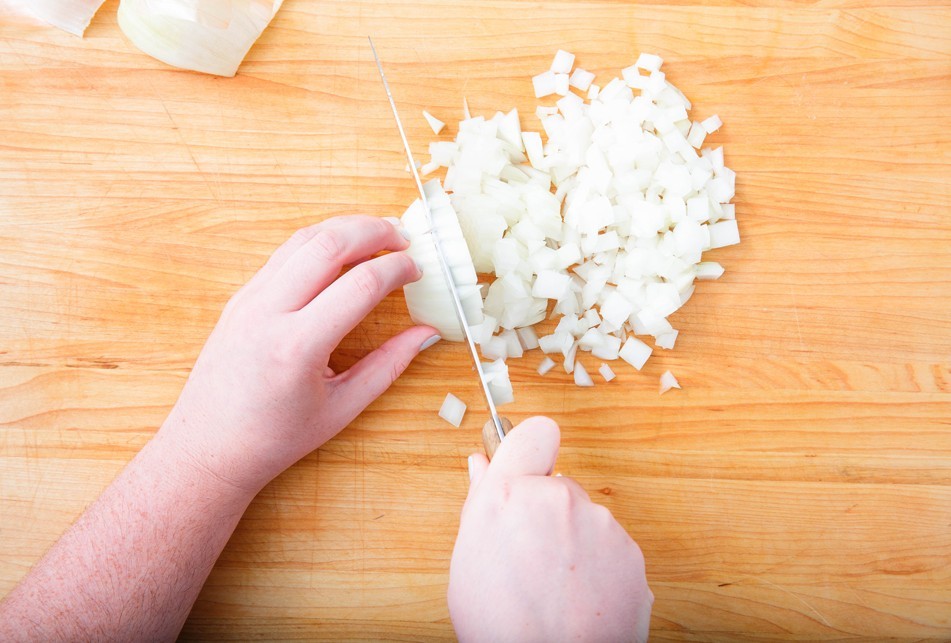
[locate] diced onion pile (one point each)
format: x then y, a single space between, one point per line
603 222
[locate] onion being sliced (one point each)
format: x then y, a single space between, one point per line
69 15
210 36
428 300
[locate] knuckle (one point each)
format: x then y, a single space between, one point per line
303 235
326 245
368 281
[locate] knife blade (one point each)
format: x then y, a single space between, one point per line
490 440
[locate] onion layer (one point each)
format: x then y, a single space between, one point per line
210 36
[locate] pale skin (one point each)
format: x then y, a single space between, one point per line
256 402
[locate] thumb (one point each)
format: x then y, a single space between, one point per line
478 465
531 448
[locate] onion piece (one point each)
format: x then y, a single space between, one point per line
73 16
581 376
635 352
452 410
210 36
500 386
546 365
434 123
667 382
428 300
606 372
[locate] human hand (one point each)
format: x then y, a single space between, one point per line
535 559
262 395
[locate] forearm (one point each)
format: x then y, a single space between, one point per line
133 564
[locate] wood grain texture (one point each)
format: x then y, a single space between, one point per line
799 487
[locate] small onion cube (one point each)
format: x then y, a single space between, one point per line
544 84
724 233
635 352
649 62
452 410
581 79
551 285
606 372
546 365
667 340
667 382
711 124
709 270
608 349
561 84
527 337
563 62
593 91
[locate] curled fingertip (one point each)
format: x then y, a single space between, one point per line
396 223
429 342
419 270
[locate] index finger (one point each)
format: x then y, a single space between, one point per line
313 259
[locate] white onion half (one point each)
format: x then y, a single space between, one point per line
210 36
69 15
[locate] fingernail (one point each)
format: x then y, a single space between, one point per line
396 223
419 268
470 468
429 342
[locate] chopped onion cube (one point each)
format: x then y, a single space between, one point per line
724 233
527 337
635 352
434 123
563 62
711 124
666 340
649 62
667 382
561 84
581 79
452 410
708 270
551 285
606 373
546 365
544 84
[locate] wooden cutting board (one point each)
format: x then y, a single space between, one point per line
798 487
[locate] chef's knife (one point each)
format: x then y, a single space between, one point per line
495 429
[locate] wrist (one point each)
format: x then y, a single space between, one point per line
202 462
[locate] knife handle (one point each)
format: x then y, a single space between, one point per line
490 436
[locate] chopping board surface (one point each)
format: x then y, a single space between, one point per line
798 487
